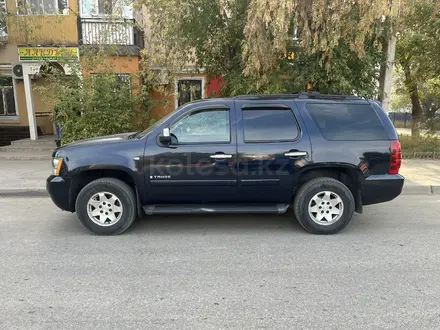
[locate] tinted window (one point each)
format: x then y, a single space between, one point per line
206 126
269 125
358 122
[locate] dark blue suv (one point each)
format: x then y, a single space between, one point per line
326 156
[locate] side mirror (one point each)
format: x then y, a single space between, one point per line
165 137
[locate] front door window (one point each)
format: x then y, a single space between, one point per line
206 126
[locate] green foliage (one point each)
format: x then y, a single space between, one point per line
322 26
94 101
418 64
400 100
428 92
418 45
214 36
411 144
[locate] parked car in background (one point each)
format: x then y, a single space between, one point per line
326 156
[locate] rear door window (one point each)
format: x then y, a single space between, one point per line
342 121
269 125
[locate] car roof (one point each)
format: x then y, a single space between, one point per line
309 95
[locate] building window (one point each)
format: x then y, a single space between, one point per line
189 90
105 7
123 79
43 7
7 101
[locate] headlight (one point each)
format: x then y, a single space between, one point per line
56 165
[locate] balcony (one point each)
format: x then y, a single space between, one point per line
45 25
111 31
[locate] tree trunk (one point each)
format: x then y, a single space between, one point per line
383 68
413 90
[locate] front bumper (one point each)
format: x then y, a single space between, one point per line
381 188
59 191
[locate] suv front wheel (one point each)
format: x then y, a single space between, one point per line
324 206
106 206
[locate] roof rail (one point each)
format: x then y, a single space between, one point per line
263 96
301 95
317 95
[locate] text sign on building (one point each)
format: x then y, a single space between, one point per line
47 53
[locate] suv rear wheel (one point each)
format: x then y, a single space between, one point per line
324 206
106 206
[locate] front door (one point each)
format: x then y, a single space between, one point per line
199 166
272 148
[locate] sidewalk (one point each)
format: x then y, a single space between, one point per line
421 176
28 177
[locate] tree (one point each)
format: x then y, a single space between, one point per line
322 26
245 42
94 100
428 94
417 57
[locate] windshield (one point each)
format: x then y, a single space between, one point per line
151 128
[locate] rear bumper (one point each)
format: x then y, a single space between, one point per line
381 188
59 191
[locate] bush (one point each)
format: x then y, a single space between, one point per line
412 144
94 100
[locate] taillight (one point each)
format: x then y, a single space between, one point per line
396 157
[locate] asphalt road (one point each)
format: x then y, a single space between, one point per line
221 272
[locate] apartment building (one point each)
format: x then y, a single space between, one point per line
33 31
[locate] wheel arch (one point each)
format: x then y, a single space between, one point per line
86 175
348 174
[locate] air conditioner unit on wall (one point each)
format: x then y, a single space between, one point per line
17 71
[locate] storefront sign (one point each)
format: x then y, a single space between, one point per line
46 53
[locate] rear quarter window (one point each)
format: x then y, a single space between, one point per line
341 122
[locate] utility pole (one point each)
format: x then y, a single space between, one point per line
388 77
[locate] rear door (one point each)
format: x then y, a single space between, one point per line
272 147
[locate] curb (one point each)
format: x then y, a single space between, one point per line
421 190
18 157
24 193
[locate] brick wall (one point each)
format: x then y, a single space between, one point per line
12 133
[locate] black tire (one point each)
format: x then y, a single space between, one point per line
308 191
114 186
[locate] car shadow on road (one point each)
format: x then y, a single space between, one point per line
215 223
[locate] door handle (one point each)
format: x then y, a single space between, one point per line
295 154
220 156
